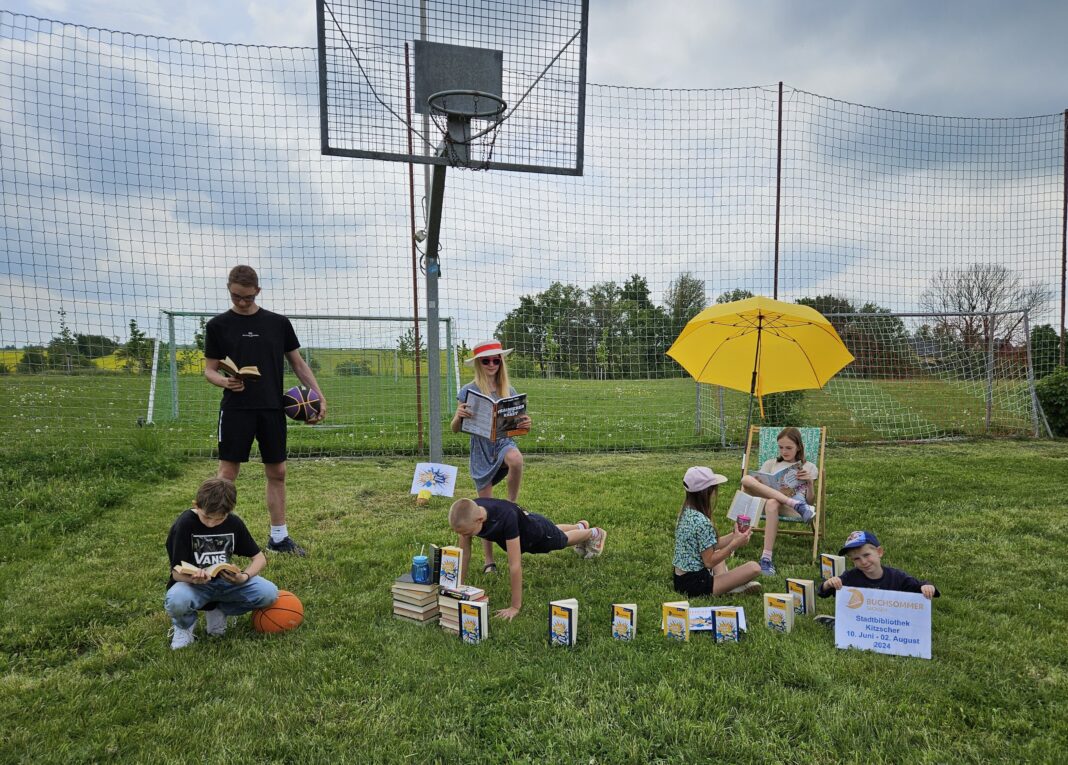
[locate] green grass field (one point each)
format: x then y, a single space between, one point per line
376 414
87 674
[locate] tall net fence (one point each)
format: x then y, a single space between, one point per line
136 171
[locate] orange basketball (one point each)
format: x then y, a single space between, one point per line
286 613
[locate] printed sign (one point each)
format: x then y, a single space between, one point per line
439 480
884 621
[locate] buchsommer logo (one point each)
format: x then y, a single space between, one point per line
856 598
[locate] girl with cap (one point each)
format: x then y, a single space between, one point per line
700 555
490 461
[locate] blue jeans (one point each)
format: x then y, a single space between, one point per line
183 599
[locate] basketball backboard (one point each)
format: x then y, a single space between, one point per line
515 72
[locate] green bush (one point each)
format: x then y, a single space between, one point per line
1052 393
521 366
353 368
783 409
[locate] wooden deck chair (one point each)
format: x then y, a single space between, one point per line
815 441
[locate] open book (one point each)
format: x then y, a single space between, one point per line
245 373
746 504
212 571
783 479
494 420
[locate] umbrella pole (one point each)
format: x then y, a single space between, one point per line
752 394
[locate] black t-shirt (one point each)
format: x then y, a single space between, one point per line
506 520
261 340
191 541
892 579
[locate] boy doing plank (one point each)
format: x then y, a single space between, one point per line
518 532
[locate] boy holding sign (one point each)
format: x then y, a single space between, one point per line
863 549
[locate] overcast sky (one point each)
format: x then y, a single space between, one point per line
952 57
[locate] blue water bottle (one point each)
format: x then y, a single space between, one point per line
420 569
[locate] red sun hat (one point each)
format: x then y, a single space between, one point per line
486 348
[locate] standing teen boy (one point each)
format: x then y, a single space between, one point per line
206 534
517 532
254 336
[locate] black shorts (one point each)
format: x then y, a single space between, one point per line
237 428
542 535
694 582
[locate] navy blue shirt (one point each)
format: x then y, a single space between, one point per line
892 579
506 520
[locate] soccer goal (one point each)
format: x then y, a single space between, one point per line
372 370
915 377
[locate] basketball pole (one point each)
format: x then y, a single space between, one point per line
433 272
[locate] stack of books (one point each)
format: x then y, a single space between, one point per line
449 600
414 602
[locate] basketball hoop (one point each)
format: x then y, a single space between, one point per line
453 111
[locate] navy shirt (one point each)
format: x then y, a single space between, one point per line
261 340
892 579
506 520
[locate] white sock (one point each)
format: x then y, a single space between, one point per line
766 555
278 533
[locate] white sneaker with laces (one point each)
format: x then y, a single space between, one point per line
216 622
181 637
745 589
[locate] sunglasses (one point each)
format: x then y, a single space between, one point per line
490 360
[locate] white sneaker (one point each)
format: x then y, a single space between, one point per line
180 637
580 548
596 544
745 589
216 622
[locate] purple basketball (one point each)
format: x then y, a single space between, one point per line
301 403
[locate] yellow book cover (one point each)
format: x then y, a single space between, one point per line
474 621
728 624
452 559
675 620
563 622
831 565
624 620
804 592
779 611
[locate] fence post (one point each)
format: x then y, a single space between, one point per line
722 419
174 366
990 324
152 383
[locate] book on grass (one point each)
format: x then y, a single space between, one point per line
494 419
474 621
703 618
563 622
746 504
779 611
729 624
250 372
831 566
624 621
434 559
783 478
675 620
804 592
213 570
452 559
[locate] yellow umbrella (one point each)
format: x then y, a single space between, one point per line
761 346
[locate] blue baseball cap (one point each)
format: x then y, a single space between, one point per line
859 539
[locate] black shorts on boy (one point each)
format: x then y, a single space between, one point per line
238 428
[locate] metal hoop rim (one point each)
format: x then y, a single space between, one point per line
498 103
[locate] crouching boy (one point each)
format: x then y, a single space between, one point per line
206 534
865 552
517 532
